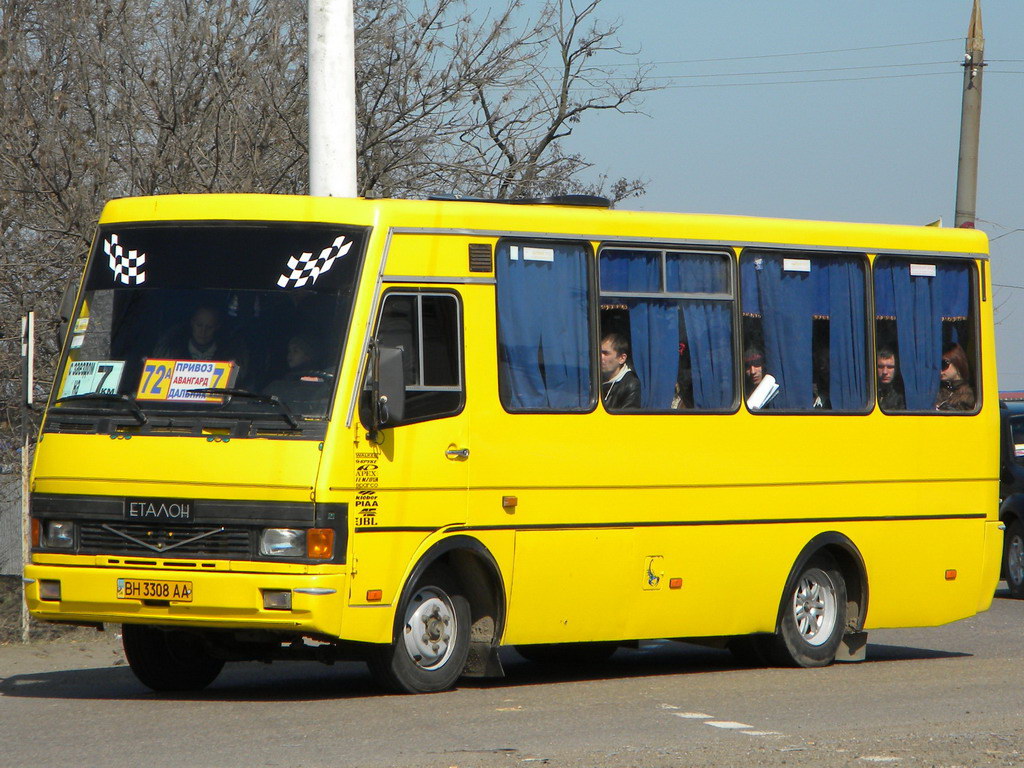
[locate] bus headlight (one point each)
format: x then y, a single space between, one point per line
283 542
58 534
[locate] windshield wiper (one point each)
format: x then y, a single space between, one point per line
273 400
109 397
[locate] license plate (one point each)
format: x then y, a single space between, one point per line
150 589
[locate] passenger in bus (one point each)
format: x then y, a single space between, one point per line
955 394
760 387
890 394
620 388
820 379
753 369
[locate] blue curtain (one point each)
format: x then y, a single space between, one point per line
631 271
543 329
953 284
848 378
786 302
708 327
917 306
653 323
654 328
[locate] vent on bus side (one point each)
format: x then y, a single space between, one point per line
480 257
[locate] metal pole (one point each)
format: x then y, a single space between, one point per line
28 351
970 123
332 99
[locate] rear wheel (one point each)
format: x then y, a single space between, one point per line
813 616
1013 558
169 660
431 638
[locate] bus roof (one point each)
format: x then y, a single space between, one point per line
591 223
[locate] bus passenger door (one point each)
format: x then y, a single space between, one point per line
414 482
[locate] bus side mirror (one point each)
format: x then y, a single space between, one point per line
387 389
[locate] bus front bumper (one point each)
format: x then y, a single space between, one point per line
298 603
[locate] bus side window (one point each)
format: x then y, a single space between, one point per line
545 340
805 327
675 311
427 328
925 331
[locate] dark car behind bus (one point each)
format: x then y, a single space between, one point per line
1011 492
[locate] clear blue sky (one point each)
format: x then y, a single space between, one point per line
865 130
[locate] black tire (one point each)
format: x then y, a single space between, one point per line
568 654
430 641
1013 559
169 660
813 616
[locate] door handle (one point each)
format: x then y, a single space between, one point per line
457 453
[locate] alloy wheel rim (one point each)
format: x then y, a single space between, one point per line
814 607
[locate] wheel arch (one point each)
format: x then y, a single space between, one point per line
851 565
1011 509
479 576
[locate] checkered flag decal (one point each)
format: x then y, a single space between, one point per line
127 268
306 268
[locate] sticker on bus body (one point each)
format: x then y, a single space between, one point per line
178 380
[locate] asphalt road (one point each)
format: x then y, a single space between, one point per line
945 696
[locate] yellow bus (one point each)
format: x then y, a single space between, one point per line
413 432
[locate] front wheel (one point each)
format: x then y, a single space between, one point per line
169 660
1013 558
813 616
431 639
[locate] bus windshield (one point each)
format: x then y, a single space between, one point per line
236 321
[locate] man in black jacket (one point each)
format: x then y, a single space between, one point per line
620 387
890 396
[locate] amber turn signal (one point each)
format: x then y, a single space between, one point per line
951 574
320 543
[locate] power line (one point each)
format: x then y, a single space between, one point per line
802 53
1010 230
802 82
799 71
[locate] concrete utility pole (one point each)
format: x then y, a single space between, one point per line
970 123
332 99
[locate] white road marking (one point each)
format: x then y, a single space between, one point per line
730 724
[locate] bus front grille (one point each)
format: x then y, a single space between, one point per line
211 541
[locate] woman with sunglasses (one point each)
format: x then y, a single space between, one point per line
955 394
